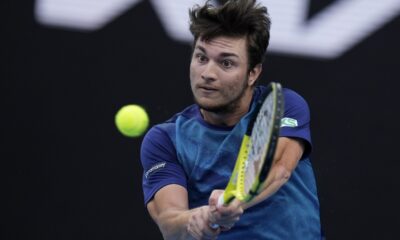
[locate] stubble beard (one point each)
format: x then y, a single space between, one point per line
226 107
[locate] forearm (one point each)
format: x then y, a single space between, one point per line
173 224
176 221
287 156
278 176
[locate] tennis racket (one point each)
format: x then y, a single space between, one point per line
257 148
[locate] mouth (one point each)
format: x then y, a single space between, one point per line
208 89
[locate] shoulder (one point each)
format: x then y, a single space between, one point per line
296 106
162 134
157 141
293 98
296 120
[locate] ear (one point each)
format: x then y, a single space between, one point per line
254 74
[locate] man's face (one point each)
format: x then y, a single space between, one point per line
219 73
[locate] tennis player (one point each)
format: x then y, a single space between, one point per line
188 159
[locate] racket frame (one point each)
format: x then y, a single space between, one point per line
236 184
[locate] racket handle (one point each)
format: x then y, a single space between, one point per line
219 204
220 200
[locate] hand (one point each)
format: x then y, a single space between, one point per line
199 225
227 215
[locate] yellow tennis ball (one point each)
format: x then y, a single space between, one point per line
132 120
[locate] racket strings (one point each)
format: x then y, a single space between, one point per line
259 142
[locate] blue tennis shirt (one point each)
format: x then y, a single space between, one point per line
188 151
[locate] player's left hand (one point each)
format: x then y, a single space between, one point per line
226 215
198 226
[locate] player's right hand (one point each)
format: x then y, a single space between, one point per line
226 215
199 226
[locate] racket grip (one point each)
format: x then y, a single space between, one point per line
219 204
220 200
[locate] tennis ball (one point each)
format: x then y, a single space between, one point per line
132 120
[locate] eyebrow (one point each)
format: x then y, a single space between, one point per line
224 54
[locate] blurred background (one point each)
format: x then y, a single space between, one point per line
68 66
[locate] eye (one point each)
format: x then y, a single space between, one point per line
201 58
227 63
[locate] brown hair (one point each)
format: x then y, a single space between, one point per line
236 18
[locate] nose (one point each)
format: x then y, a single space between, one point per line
209 72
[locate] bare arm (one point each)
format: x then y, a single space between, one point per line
287 156
169 209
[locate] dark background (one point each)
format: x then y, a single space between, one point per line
68 174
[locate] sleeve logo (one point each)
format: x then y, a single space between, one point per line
155 168
289 122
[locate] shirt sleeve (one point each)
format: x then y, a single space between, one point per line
159 162
296 120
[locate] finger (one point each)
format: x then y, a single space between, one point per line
224 217
204 224
213 215
228 223
213 200
233 209
210 232
203 232
234 204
